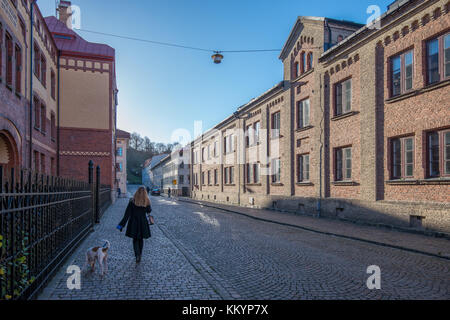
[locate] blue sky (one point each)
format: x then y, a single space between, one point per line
162 88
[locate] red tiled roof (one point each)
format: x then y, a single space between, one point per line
76 45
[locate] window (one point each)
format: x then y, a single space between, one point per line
303 114
43 118
249 171
120 151
343 103
438 153
43 71
303 168
120 167
229 144
303 60
209 177
37 113
181 179
36 161
296 70
225 175
215 177
18 69
401 73
52 166
53 124
231 175
438 59
310 61
256 129
203 155
256 173
53 85
276 125
209 152
252 171
248 136
276 171
42 163
9 60
37 62
402 155
203 178
215 149
343 164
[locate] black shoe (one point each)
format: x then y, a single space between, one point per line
138 259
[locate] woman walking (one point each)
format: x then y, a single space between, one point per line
136 216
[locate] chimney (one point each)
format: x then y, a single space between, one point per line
65 13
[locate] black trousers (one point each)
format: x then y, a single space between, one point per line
138 245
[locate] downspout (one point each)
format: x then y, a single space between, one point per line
58 67
30 156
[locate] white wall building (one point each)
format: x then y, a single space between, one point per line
173 172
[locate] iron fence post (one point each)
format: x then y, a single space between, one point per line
91 185
97 195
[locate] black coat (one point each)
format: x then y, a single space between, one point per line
136 217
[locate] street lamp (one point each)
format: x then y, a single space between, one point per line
217 57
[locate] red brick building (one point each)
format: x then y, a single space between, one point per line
361 125
15 81
88 101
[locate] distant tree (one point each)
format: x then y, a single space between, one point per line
148 145
136 141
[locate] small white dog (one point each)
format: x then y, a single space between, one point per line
99 254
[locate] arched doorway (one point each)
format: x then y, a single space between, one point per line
8 150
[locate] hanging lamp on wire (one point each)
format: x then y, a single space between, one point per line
217 57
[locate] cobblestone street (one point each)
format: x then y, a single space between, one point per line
204 253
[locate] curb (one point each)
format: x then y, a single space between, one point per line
322 232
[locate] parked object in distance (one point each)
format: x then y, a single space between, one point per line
156 192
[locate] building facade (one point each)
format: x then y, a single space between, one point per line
27 70
358 130
122 139
148 179
88 101
173 172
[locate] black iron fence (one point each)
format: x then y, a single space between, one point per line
42 219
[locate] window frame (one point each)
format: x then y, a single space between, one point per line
9 55
343 161
441 58
301 166
18 66
274 132
344 99
276 170
402 165
301 106
402 57
441 152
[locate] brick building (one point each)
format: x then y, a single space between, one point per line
15 91
88 101
358 129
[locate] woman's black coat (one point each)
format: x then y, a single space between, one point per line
138 227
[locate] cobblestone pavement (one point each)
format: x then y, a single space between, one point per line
204 253
164 272
261 260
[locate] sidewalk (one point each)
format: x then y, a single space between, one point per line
419 243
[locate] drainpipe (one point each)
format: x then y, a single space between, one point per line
58 66
30 157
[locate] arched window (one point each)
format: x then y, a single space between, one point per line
303 62
296 69
310 60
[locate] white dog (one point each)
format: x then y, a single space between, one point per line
99 254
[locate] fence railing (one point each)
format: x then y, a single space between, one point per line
42 220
